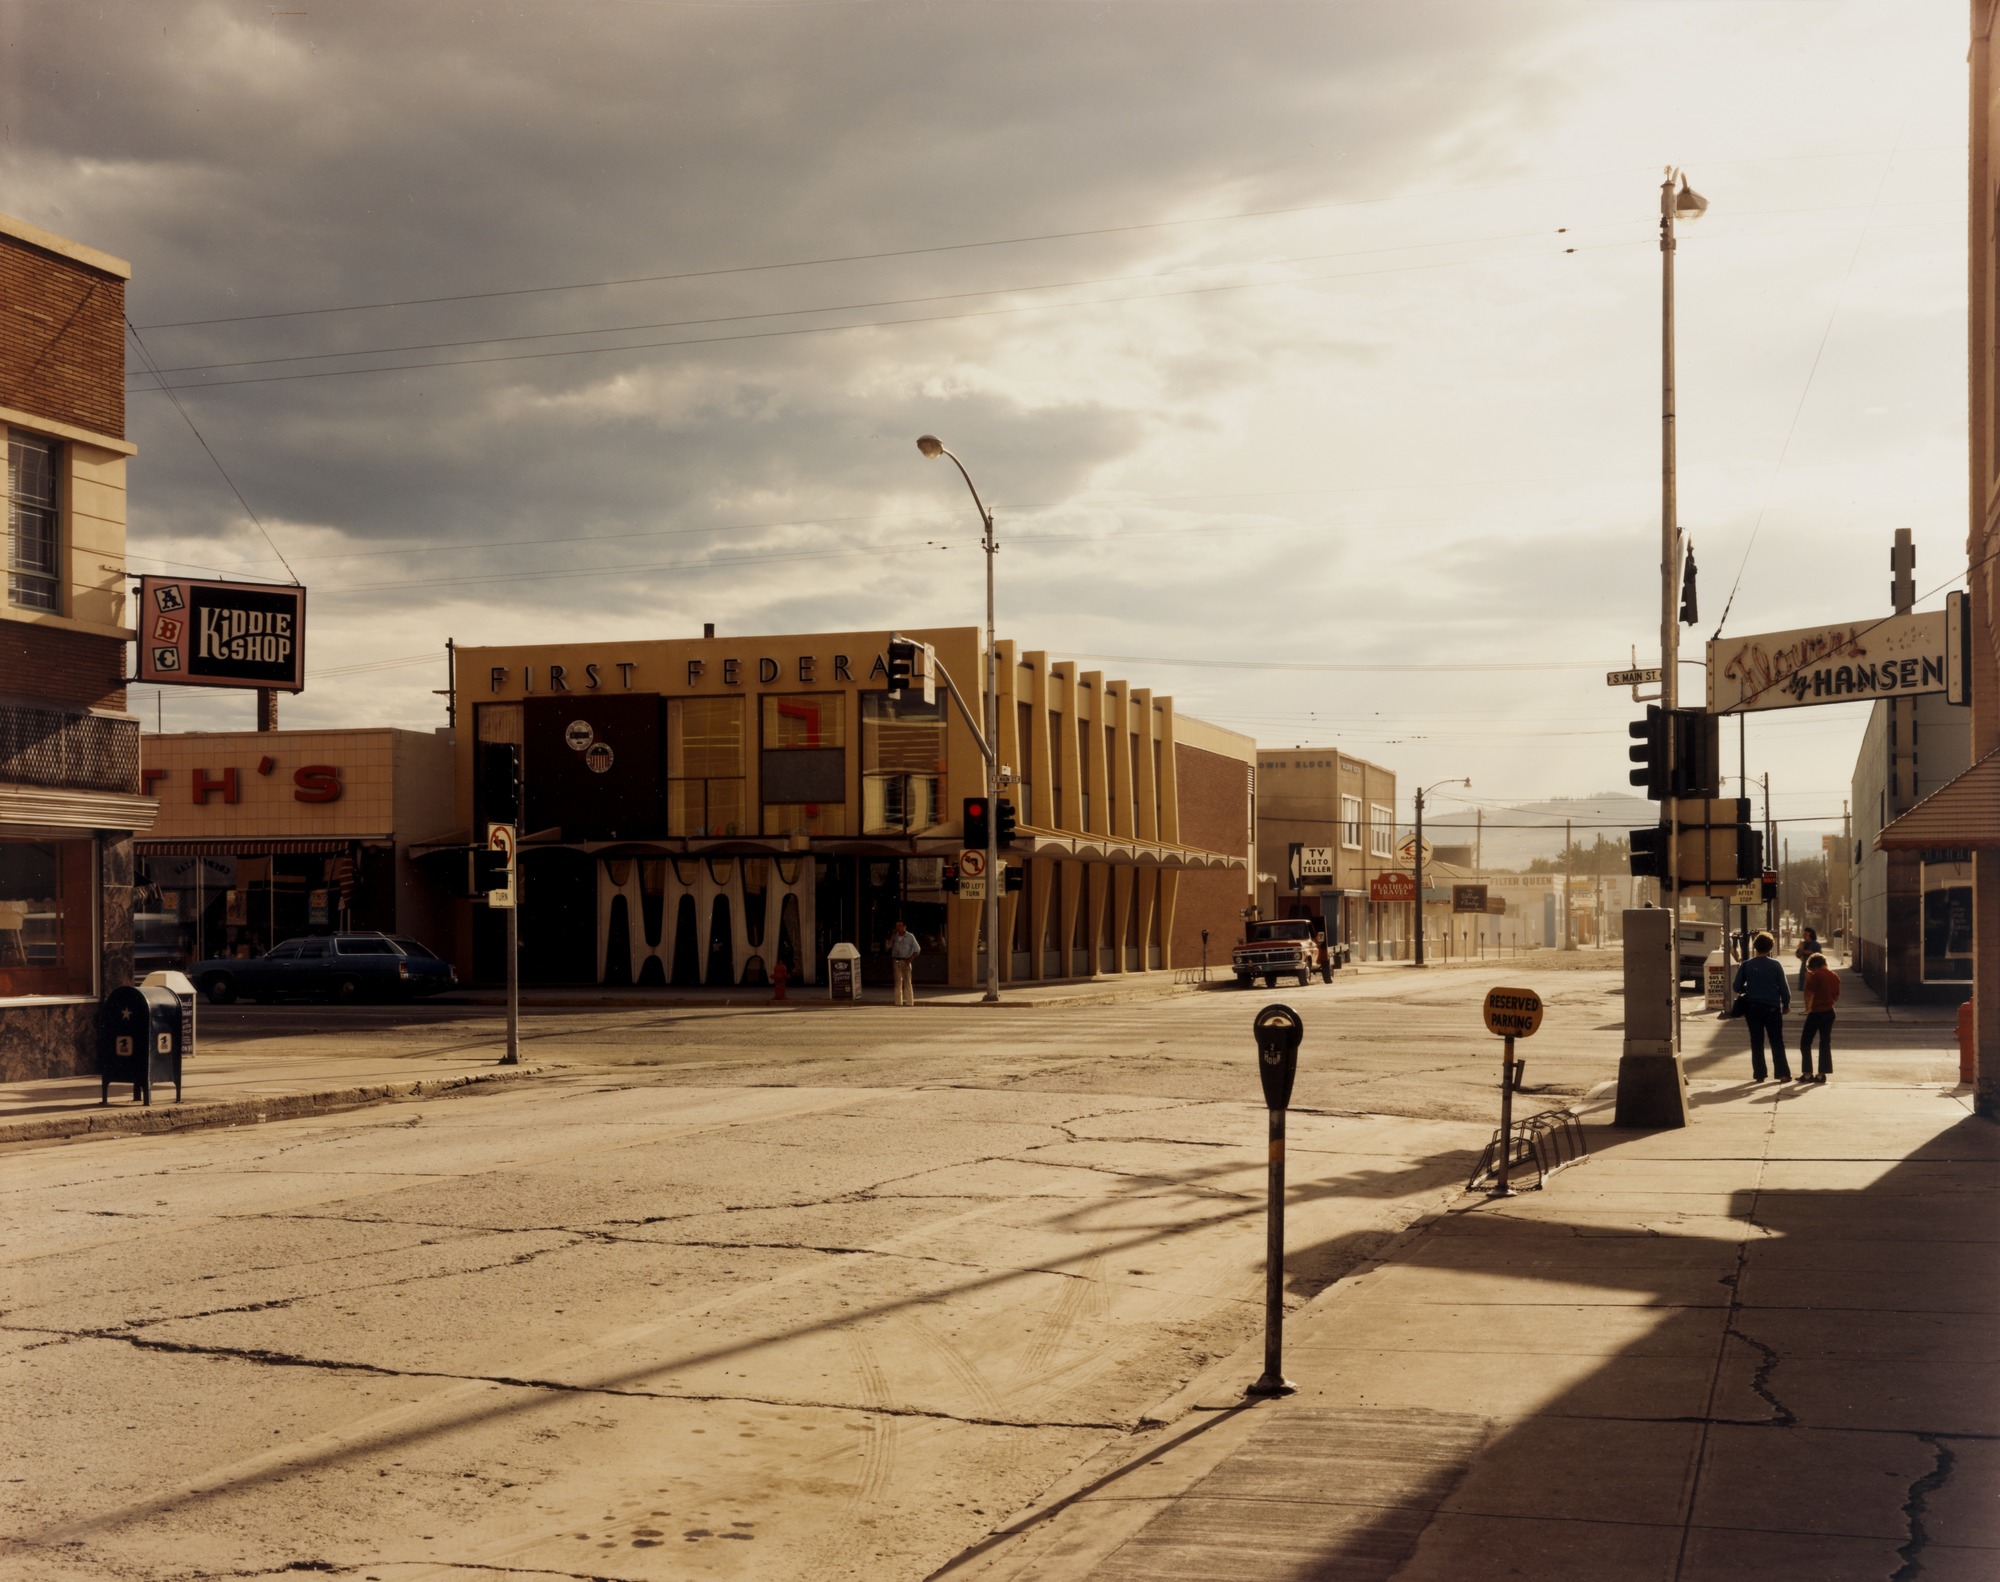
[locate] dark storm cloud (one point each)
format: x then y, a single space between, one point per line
253 162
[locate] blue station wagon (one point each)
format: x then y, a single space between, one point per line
328 967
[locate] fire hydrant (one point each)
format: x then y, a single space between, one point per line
778 977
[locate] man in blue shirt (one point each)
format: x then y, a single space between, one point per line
1766 997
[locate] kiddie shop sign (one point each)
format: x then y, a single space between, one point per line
222 634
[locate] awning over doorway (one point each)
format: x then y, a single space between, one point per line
250 847
1964 812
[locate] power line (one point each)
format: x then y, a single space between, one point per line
147 357
846 307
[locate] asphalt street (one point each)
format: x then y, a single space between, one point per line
735 1292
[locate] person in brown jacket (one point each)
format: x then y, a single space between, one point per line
1822 991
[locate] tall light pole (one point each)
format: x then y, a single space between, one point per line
932 446
1687 204
1417 854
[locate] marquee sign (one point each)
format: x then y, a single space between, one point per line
1897 656
222 634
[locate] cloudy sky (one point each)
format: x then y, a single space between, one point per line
1308 353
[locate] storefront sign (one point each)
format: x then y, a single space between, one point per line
1468 898
1392 887
222 634
1859 661
1310 865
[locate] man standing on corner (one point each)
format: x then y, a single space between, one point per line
903 950
1766 998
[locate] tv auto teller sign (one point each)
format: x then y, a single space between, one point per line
222 634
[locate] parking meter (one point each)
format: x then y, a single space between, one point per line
1278 1031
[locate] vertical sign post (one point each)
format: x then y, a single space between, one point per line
1510 1013
500 838
1278 1031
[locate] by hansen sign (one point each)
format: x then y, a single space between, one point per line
222 634
1897 656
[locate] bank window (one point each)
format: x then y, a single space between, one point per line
802 769
903 786
46 935
705 766
1381 830
33 536
1350 822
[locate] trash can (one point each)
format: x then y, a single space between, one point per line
139 1041
843 973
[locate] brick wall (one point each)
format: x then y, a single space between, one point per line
49 665
62 338
1214 794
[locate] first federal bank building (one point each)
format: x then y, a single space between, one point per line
695 811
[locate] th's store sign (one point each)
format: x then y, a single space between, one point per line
222 634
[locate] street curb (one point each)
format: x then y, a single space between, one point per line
146 1120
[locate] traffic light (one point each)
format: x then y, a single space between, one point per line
902 665
500 782
1749 854
949 883
1770 886
1649 853
1651 753
1697 753
1017 874
1003 828
975 830
489 870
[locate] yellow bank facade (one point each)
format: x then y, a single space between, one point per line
698 810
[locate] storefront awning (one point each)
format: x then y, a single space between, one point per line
1964 812
249 847
1054 845
58 809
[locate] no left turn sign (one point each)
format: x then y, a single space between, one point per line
971 864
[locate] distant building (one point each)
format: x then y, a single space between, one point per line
69 753
1342 810
1910 910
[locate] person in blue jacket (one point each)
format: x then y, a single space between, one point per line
1767 995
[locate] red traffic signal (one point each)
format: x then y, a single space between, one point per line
975 810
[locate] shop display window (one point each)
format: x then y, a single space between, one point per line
48 938
903 788
803 766
705 766
1947 917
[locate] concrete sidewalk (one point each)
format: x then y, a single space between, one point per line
1760 1347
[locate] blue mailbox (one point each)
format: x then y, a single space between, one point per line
139 1040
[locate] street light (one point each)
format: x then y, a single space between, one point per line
1417 853
1683 203
933 447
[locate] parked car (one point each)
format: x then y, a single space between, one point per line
330 967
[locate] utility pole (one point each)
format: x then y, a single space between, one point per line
1569 877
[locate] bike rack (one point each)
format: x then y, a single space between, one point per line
1548 1141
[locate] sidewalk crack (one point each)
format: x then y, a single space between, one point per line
1917 1506
1782 1415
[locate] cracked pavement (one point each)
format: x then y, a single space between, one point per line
729 1295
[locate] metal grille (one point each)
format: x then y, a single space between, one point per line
67 750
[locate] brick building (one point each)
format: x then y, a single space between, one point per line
699 809
69 753
1329 801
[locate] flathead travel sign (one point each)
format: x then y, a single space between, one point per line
222 634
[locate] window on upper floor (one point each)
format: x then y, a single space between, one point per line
1350 822
1381 830
34 538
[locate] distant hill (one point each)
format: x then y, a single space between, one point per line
1505 844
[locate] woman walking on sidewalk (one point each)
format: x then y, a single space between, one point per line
1766 998
1822 986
